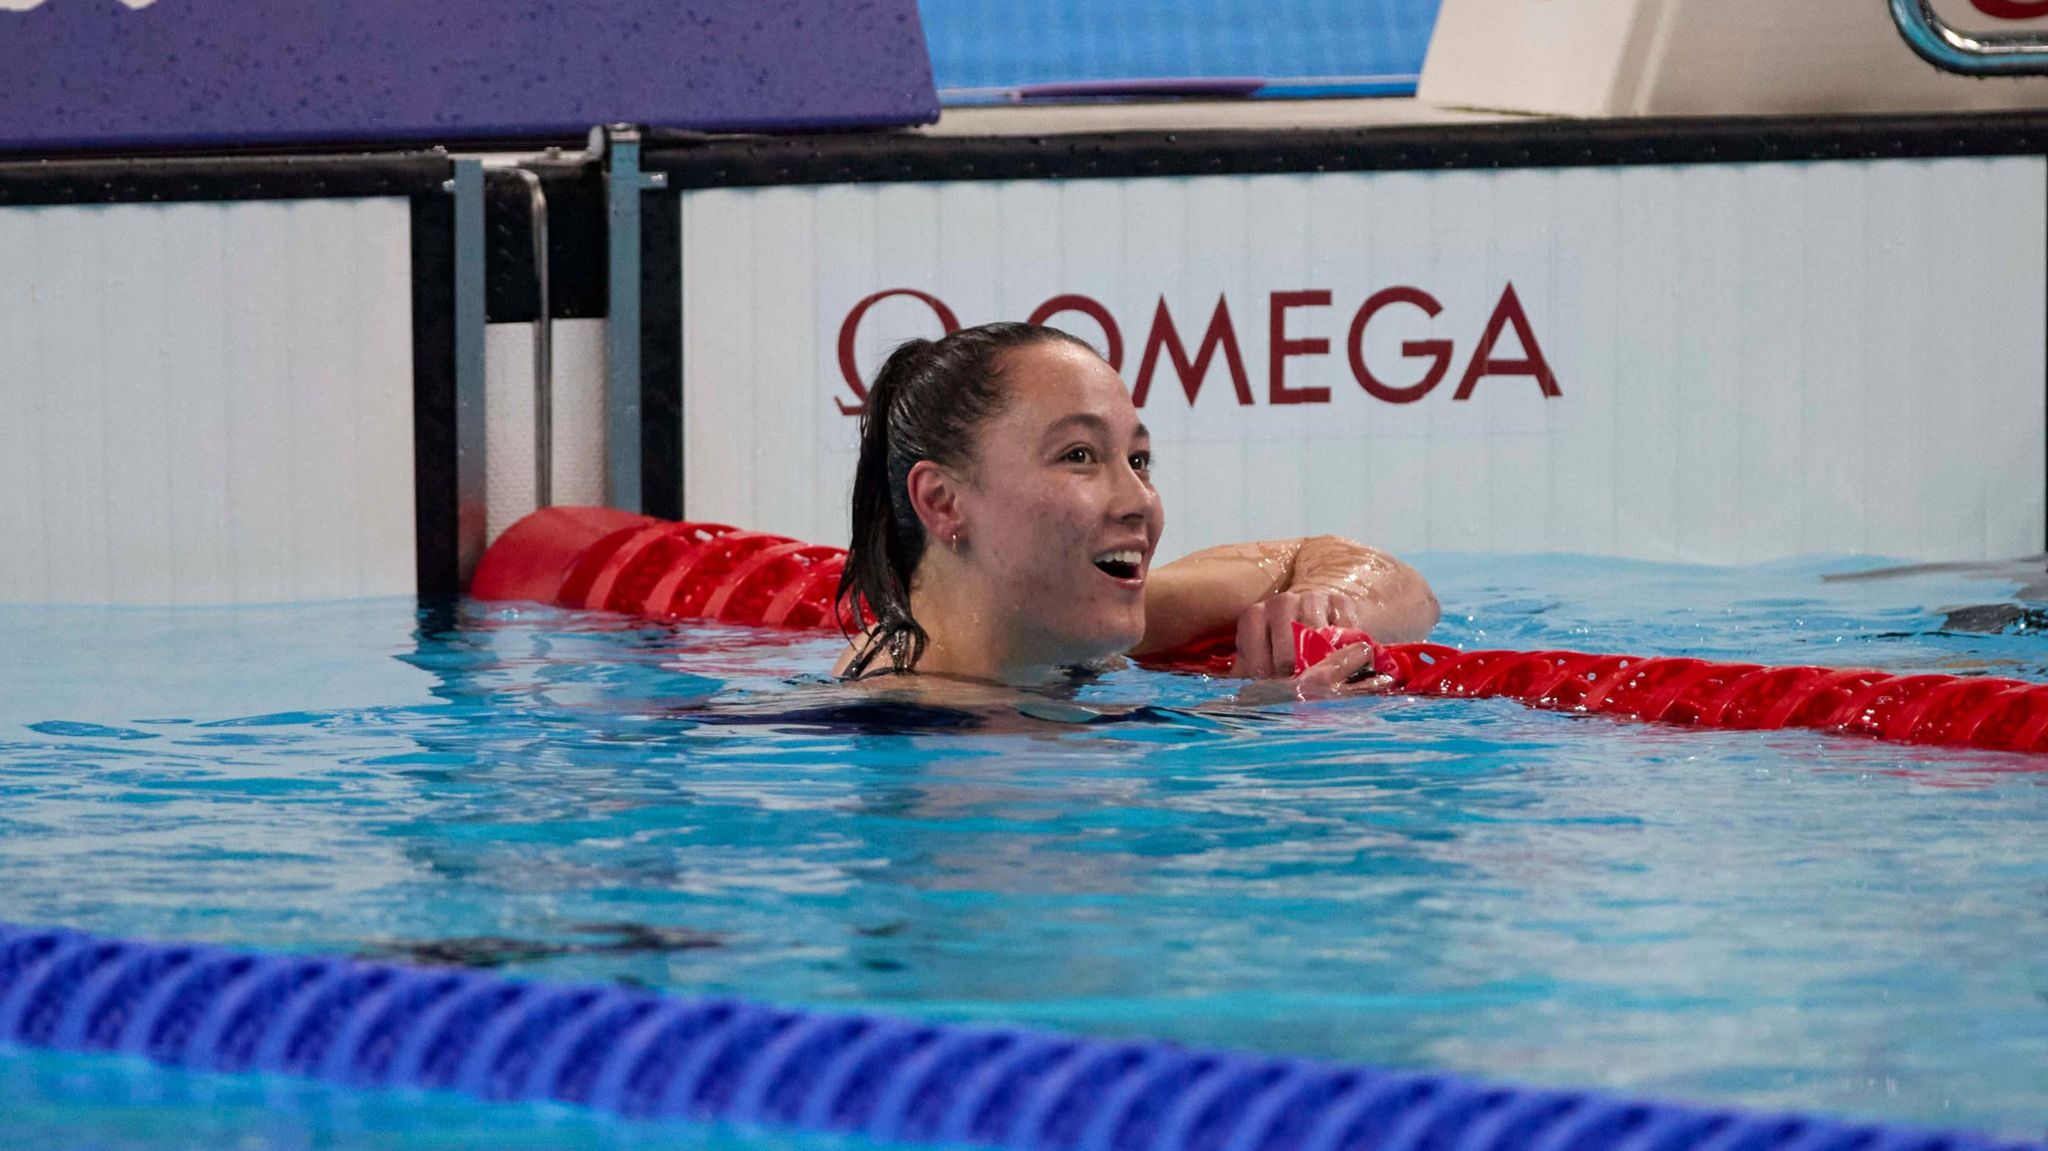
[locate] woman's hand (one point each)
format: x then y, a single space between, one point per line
1265 632
1344 672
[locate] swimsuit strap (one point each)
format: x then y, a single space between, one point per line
858 668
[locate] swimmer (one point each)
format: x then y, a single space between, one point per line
1004 524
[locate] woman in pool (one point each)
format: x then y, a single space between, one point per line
1004 522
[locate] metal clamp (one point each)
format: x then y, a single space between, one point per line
543 348
1952 51
470 474
624 182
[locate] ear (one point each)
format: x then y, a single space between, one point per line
935 498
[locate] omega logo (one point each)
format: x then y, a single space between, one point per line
1164 342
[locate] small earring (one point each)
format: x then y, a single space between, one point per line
954 543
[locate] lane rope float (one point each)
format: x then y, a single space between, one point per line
601 559
643 1054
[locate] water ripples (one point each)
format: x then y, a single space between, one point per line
1774 919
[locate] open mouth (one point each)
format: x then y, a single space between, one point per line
1121 564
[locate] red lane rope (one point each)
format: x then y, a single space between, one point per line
600 559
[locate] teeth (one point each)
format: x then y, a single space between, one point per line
1133 558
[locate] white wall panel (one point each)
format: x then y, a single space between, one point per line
1708 520
1214 262
195 341
717 392
783 459
1398 452
1519 493
1834 359
578 443
22 568
71 503
1769 364
579 411
138 532
2006 337
1458 470
206 403
847 213
1752 361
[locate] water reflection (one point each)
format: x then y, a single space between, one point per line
1785 920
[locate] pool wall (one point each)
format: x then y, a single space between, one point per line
1636 341
1713 340
227 380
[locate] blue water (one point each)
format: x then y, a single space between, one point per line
1783 920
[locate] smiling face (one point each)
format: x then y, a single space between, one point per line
1060 517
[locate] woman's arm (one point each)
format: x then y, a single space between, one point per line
1262 589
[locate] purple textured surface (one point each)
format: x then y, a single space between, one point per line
95 73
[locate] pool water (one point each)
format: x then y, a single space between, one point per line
1771 920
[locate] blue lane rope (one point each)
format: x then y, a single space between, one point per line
647 1055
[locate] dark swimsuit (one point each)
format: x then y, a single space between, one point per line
870 715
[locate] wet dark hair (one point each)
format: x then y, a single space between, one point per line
925 404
